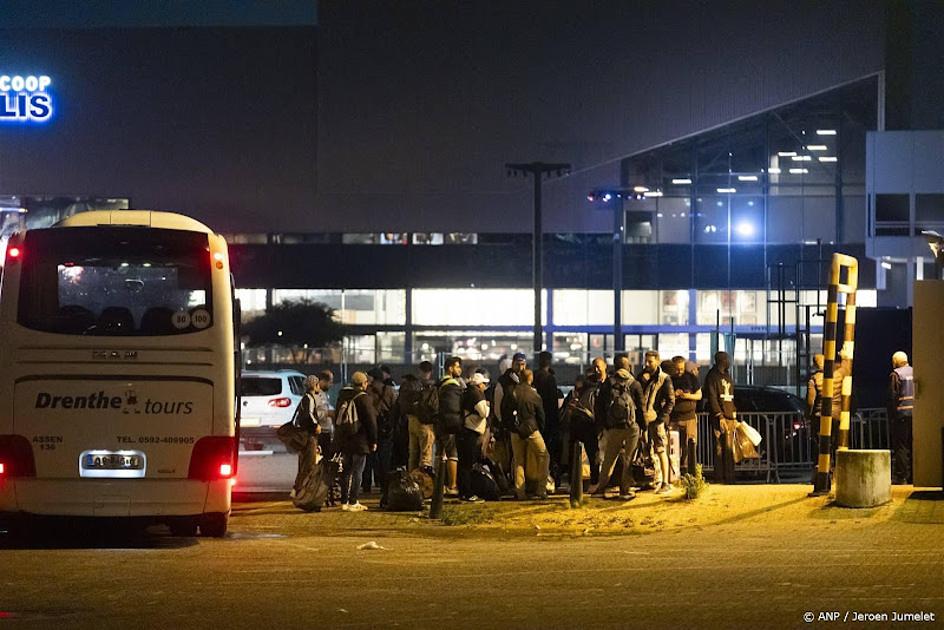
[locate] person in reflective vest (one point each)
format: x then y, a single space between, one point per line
900 408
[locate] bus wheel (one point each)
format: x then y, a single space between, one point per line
214 525
184 527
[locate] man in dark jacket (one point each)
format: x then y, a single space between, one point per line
900 409
420 429
354 442
450 420
526 439
384 399
584 415
722 416
503 411
545 382
659 397
620 415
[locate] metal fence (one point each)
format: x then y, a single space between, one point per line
789 447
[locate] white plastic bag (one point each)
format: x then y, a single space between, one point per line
752 434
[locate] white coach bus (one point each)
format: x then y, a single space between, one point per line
118 372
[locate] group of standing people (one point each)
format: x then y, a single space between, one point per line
518 423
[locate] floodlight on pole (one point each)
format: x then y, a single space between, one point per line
538 171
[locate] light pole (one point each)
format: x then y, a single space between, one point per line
538 170
613 199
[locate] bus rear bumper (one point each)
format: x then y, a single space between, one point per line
115 498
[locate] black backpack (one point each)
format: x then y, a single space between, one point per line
346 422
409 397
622 409
509 409
427 407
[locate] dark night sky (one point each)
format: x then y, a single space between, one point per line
217 122
415 107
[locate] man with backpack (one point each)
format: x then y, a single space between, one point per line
449 419
621 417
525 428
355 432
503 410
659 399
414 402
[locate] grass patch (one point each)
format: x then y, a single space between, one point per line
693 484
467 514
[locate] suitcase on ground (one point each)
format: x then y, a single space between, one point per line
314 491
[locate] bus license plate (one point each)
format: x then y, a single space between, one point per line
113 461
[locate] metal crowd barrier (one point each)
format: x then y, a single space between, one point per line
790 447
870 429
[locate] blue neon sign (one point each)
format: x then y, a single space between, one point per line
25 99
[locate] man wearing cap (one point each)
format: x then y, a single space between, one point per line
621 416
469 441
356 445
900 410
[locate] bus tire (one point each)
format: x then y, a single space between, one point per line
183 528
214 525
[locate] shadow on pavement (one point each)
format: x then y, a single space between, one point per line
922 506
90 533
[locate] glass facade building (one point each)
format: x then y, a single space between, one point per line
725 231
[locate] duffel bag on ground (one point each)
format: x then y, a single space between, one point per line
423 477
484 483
314 491
403 493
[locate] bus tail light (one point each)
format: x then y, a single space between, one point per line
14 254
16 457
280 402
213 458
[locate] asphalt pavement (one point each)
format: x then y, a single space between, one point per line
735 558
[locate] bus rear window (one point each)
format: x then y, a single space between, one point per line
115 281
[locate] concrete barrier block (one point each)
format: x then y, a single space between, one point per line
863 477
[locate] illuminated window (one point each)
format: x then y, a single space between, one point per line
473 307
353 306
578 307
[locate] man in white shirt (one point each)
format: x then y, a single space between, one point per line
470 440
